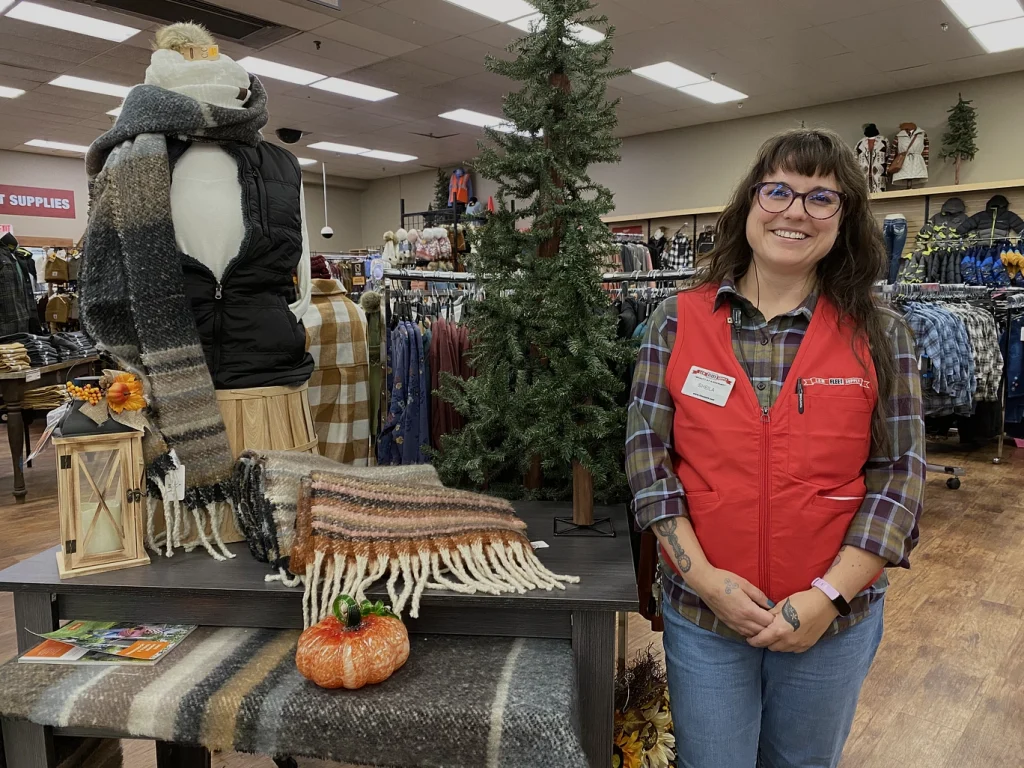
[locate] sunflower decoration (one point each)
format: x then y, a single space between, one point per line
117 395
644 736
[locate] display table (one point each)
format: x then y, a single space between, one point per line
13 386
195 589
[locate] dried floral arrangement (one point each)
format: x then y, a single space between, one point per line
118 395
643 734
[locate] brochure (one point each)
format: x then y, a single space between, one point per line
104 642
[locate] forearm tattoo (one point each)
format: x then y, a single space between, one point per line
789 614
835 562
667 530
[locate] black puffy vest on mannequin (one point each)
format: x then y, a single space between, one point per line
249 335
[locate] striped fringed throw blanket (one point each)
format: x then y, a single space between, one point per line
355 526
464 702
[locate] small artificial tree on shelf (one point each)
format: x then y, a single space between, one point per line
550 368
440 202
958 142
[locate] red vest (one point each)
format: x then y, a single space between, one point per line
771 491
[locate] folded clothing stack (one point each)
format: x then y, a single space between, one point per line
45 398
73 345
14 357
40 351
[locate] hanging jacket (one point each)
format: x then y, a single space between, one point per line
460 188
17 303
952 215
996 222
779 518
250 337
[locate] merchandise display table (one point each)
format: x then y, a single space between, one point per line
13 386
195 589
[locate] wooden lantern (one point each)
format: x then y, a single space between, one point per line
100 479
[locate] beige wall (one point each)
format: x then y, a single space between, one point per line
343 213
31 170
697 167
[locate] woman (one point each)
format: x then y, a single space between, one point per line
776 450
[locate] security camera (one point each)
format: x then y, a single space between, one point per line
289 135
327 233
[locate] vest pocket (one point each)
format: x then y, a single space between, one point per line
830 441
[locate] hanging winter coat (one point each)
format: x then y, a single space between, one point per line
996 222
952 215
872 154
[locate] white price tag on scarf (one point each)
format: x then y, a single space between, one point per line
709 386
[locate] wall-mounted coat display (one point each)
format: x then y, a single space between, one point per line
460 187
908 154
873 154
996 222
953 214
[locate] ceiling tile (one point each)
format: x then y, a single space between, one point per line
400 26
439 14
341 53
364 37
865 32
297 16
426 57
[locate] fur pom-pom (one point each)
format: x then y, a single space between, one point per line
178 37
370 302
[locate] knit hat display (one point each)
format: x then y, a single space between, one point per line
318 269
133 302
340 529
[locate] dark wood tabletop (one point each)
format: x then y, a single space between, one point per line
604 565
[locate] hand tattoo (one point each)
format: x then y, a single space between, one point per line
790 615
667 529
730 586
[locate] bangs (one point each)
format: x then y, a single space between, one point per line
804 152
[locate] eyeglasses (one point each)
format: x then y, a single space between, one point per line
820 203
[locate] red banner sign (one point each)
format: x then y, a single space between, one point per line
37 201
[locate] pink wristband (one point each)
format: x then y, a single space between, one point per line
833 594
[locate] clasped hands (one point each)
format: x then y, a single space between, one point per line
792 626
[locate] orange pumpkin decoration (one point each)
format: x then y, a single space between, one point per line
358 644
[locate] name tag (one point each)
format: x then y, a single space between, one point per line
708 386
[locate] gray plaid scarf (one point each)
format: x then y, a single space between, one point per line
132 294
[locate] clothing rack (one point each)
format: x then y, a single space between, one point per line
641 276
1014 305
627 237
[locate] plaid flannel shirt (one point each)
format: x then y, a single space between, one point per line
988 358
679 254
339 389
885 525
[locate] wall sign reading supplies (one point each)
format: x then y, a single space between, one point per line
37 201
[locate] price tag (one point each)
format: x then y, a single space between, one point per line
201 53
539 544
32 376
1022 333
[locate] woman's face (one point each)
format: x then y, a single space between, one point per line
792 241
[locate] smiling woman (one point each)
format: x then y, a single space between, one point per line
775 443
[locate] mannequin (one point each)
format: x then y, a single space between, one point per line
657 243
872 154
460 188
912 141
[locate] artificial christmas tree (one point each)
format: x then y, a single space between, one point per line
440 202
958 142
550 368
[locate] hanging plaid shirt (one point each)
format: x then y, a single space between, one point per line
885 525
339 396
679 254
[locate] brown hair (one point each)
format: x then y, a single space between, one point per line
856 261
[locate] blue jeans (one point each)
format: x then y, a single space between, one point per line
895 233
734 704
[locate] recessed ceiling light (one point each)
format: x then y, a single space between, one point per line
1000 36
475 118
670 74
499 10
92 86
306 161
10 93
395 157
44 144
714 92
355 90
344 149
974 13
116 112
71 22
264 68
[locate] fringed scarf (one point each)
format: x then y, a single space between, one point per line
133 302
351 527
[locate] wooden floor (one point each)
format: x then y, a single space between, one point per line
947 686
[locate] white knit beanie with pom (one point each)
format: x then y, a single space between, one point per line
219 82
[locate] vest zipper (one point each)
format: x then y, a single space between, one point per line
764 527
261 194
217 296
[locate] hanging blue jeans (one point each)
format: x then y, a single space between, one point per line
895 233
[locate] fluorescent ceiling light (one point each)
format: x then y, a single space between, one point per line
272 69
536 23
306 161
5 4
716 93
43 144
10 93
585 34
395 157
71 22
116 112
473 118
499 10
974 13
355 90
532 23
670 74
92 86
1000 36
344 149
